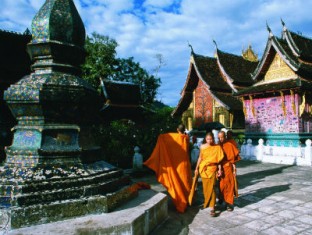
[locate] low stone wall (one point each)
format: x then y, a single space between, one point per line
290 155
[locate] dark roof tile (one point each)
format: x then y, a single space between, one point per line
232 103
304 45
210 73
237 68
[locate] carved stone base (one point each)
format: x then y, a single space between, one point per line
49 195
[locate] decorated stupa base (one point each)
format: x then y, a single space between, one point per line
48 193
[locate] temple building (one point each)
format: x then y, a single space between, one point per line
207 95
122 100
278 106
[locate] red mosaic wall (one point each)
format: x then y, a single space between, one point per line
266 115
203 104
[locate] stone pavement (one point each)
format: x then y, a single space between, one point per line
273 199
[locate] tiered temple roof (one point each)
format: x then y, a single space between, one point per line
223 75
295 52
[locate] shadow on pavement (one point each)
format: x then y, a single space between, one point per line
177 223
246 163
254 177
259 194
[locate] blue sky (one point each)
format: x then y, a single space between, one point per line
145 28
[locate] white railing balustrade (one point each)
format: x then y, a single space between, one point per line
300 155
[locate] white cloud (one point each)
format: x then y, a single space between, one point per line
146 28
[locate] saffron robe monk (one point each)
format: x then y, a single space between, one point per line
229 138
227 180
208 166
171 162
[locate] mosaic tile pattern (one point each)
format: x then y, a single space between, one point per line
269 116
59 21
276 120
30 139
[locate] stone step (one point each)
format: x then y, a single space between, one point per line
57 194
140 215
21 216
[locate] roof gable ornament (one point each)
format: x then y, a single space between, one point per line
27 32
192 51
283 23
269 30
284 29
216 46
215 43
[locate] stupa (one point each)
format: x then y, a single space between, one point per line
44 178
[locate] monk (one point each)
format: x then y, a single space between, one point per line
229 138
171 162
227 179
208 166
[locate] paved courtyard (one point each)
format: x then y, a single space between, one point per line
273 199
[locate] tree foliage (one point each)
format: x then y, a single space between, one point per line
101 62
101 53
118 138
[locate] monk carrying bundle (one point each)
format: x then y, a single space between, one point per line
171 163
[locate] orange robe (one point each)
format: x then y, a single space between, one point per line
171 162
227 181
233 142
210 157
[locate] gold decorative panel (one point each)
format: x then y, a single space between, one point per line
278 69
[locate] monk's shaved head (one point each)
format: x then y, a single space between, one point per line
221 137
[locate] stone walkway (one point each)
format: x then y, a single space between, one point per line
273 199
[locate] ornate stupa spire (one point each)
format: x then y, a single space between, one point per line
56 51
45 169
58 31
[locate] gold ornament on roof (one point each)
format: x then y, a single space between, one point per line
249 54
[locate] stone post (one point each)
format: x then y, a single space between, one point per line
194 155
308 152
249 149
137 159
260 150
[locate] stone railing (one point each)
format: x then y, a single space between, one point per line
290 155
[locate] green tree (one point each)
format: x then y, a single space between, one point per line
130 71
118 138
101 62
101 53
